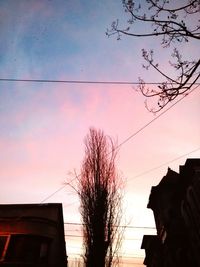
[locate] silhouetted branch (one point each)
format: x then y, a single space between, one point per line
162 18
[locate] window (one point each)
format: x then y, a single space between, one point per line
3 241
164 235
27 249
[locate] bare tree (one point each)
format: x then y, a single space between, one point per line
175 22
100 195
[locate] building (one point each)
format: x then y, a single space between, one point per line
153 249
190 206
175 202
32 235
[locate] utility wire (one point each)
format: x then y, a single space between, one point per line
70 81
78 81
58 190
121 226
69 236
131 136
154 119
166 163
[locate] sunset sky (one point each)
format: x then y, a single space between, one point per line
43 125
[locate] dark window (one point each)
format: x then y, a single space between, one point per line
3 240
27 249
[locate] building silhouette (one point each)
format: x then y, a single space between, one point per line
175 203
32 235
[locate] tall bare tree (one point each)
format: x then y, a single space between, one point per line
100 195
175 22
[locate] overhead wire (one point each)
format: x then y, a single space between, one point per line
154 119
59 189
70 81
137 176
79 81
120 226
166 163
130 137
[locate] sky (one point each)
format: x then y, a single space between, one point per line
43 125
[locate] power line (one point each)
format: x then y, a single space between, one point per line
69 236
139 175
132 135
52 194
166 163
79 81
121 226
77 236
154 119
71 81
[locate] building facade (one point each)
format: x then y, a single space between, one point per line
175 202
32 235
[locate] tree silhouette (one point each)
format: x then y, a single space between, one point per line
99 191
175 22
